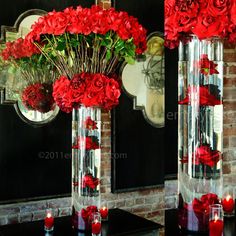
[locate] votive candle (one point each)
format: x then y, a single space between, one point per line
49 221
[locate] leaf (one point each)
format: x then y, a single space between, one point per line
108 55
130 60
61 46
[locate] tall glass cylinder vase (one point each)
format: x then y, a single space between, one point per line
200 127
86 158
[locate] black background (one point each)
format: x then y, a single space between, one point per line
151 151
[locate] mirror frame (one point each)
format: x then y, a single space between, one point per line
3 91
134 98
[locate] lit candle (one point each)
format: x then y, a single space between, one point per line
216 226
228 204
49 222
104 212
96 227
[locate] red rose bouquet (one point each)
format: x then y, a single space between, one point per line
85 41
36 74
205 19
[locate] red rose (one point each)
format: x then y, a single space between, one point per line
38 97
112 93
62 95
56 23
89 143
98 82
206 156
169 7
209 26
207 66
233 13
90 124
205 97
218 7
90 181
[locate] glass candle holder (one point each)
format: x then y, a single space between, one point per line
228 202
104 211
216 220
49 221
96 224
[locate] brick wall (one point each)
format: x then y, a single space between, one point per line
229 163
146 203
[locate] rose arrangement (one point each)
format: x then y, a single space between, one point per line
203 18
87 89
88 40
37 74
38 97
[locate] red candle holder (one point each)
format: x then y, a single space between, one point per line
216 222
104 213
96 224
228 202
49 221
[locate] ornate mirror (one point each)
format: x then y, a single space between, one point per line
10 80
144 81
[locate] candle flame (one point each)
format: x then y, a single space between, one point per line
104 208
49 215
216 217
228 198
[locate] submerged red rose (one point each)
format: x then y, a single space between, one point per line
207 66
204 155
90 124
88 143
90 181
201 95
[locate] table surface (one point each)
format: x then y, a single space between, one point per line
120 223
171 225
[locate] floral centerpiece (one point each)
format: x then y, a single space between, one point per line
87 45
199 28
36 74
203 18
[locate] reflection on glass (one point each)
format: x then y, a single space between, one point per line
144 81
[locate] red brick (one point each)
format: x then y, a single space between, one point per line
232 142
106 134
232 69
228 131
229 45
229 117
229 105
229 82
226 142
226 168
230 57
230 93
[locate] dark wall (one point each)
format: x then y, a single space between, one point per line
138 148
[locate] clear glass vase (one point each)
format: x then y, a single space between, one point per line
86 162
200 127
